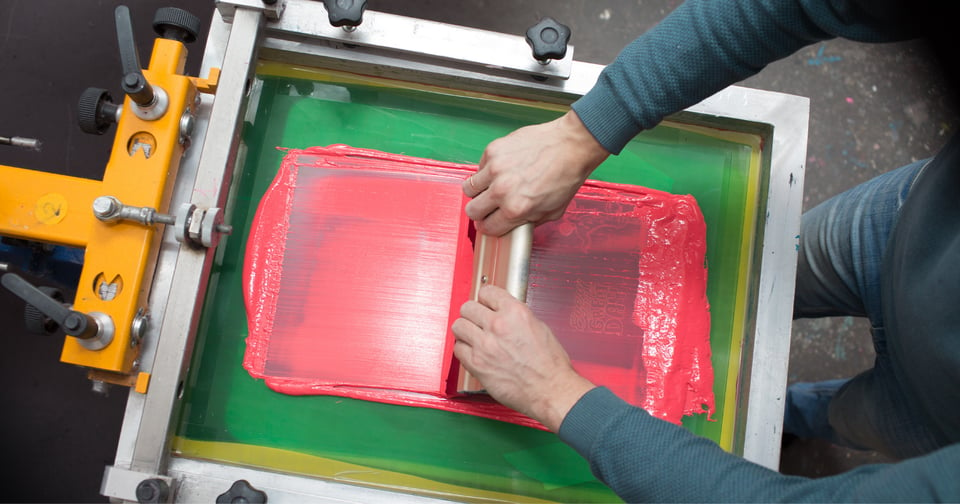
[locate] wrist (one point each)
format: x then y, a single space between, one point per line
562 395
589 151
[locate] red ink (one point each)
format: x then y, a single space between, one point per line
358 262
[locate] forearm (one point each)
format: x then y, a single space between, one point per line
644 459
705 46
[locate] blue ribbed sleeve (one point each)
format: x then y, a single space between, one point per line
705 45
645 459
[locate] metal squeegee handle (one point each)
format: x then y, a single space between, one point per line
504 261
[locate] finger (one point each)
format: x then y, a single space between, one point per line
497 224
495 298
465 331
480 206
464 353
475 313
476 183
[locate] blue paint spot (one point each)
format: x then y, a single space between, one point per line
895 130
839 350
820 59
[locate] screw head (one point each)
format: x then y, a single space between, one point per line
105 207
72 322
153 490
187 124
138 327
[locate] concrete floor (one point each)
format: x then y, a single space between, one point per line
873 108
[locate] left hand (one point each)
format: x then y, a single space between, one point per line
531 174
517 358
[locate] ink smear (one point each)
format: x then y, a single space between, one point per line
358 261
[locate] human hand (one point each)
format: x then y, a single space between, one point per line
531 174
517 358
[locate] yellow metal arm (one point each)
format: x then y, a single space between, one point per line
46 207
120 255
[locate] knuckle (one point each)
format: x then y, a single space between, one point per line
499 325
497 189
489 158
516 310
516 208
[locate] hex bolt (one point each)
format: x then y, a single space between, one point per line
106 207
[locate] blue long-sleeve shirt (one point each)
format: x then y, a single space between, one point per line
705 45
644 459
700 48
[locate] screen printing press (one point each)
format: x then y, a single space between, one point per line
194 155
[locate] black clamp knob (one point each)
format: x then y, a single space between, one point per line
74 323
548 39
38 322
242 491
176 24
96 111
345 13
153 491
134 84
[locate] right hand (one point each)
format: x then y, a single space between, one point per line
532 174
516 357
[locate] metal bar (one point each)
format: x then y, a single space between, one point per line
403 66
771 339
203 481
190 276
133 420
46 207
442 41
768 346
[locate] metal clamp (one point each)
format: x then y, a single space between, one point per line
199 227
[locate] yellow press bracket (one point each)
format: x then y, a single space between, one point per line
116 220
